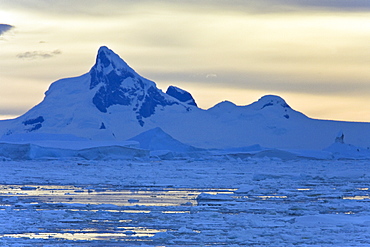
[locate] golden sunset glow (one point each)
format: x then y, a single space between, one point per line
316 59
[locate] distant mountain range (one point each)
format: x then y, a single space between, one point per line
114 103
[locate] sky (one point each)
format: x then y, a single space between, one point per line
315 54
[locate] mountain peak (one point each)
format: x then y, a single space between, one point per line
108 62
181 95
273 105
107 76
271 101
104 48
105 52
116 83
104 56
224 106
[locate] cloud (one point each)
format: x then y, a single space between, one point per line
4 28
210 76
266 6
361 5
63 8
265 82
12 110
109 8
38 54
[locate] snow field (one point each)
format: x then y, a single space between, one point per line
219 202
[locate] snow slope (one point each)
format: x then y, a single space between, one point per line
157 139
114 103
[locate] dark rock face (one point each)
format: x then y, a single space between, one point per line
272 103
111 91
153 99
181 95
34 123
37 120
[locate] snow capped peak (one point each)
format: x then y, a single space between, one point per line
271 100
274 106
104 49
108 60
111 66
223 106
108 57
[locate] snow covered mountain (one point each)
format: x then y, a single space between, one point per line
104 103
113 102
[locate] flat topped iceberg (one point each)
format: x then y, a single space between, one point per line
47 146
92 151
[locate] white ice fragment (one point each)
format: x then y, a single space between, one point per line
184 229
162 235
245 189
212 197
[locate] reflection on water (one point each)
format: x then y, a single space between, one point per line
91 234
132 213
272 197
126 203
356 197
118 197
